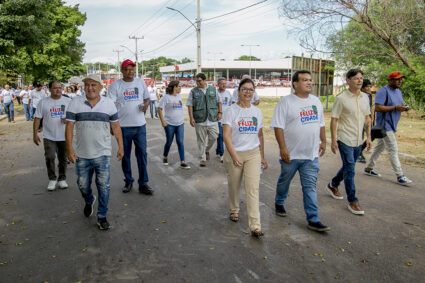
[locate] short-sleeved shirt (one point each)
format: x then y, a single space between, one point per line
235 97
189 103
52 111
128 98
351 111
37 96
173 109
245 124
7 96
92 126
25 95
395 97
226 100
301 120
152 93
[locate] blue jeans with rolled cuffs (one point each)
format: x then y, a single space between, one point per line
308 171
349 157
178 131
138 136
100 166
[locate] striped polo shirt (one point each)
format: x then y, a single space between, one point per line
92 126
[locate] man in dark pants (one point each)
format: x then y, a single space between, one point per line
366 88
131 97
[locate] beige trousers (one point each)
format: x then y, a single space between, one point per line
250 170
206 137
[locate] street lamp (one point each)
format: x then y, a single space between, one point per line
250 45
198 32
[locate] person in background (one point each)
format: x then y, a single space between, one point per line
389 104
226 101
366 88
154 97
52 110
170 111
244 155
8 96
25 96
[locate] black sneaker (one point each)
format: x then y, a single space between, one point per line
127 187
184 166
165 161
361 159
318 226
88 209
280 210
146 189
103 224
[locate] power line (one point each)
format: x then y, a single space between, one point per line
177 36
235 11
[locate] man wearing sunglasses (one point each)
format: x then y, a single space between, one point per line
204 108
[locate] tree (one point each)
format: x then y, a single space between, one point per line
248 58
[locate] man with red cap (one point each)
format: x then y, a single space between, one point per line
388 107
131 97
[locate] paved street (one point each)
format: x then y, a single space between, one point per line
182 232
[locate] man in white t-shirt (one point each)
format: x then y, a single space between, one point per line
131 97
53 110
255 99
299 127
25 97
154 97
226 101
36 96
7 96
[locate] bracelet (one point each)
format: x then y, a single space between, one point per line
220 112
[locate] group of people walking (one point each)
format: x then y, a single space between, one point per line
83 128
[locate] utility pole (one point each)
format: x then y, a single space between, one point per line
198 37
141 59
137 58
118 65
250 59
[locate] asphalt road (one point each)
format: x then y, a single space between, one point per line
182 232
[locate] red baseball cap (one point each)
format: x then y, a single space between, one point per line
127 62
395 75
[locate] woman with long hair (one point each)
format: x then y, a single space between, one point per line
170 110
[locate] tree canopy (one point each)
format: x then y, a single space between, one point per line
247 58
40 39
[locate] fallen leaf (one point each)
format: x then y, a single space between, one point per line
125 204
148 250
419 246
349 243
316 254
211 249
19 221
156 229
24 228
13 223
53 256
409 264
246 232
72 211
265 257
197 181
164 221
6 203
84 250
342 250
323 260
64 222
364 260
19 244
413 224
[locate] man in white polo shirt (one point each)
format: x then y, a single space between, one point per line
94 116
52 110
131 97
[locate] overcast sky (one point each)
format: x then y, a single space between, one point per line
110 22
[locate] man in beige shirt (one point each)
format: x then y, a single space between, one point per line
350 113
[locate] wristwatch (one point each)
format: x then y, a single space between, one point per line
220 112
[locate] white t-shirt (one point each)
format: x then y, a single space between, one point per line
7 95
226 100
25 95
127 97
37 96
301 120
235 97
173 109
152 93
51 110
245 124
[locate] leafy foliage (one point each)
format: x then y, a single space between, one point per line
248 58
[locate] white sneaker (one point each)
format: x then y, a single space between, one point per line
63 184
52 185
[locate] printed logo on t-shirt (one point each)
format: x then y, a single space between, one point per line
309 114
131 94
248 125
177 105
225 101
57 111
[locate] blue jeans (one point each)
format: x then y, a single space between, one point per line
138 135
32 111
8 107
220 146
1 108
308 170
349 157
153 104
178 131
27 111
85 169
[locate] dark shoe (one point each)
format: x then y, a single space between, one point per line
333 192
280 210
203 163
88 209
145 189
257 233
165 161
103 224
184 166
318 226
371 172
361 159
127 187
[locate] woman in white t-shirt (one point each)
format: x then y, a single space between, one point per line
170 110
244 155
